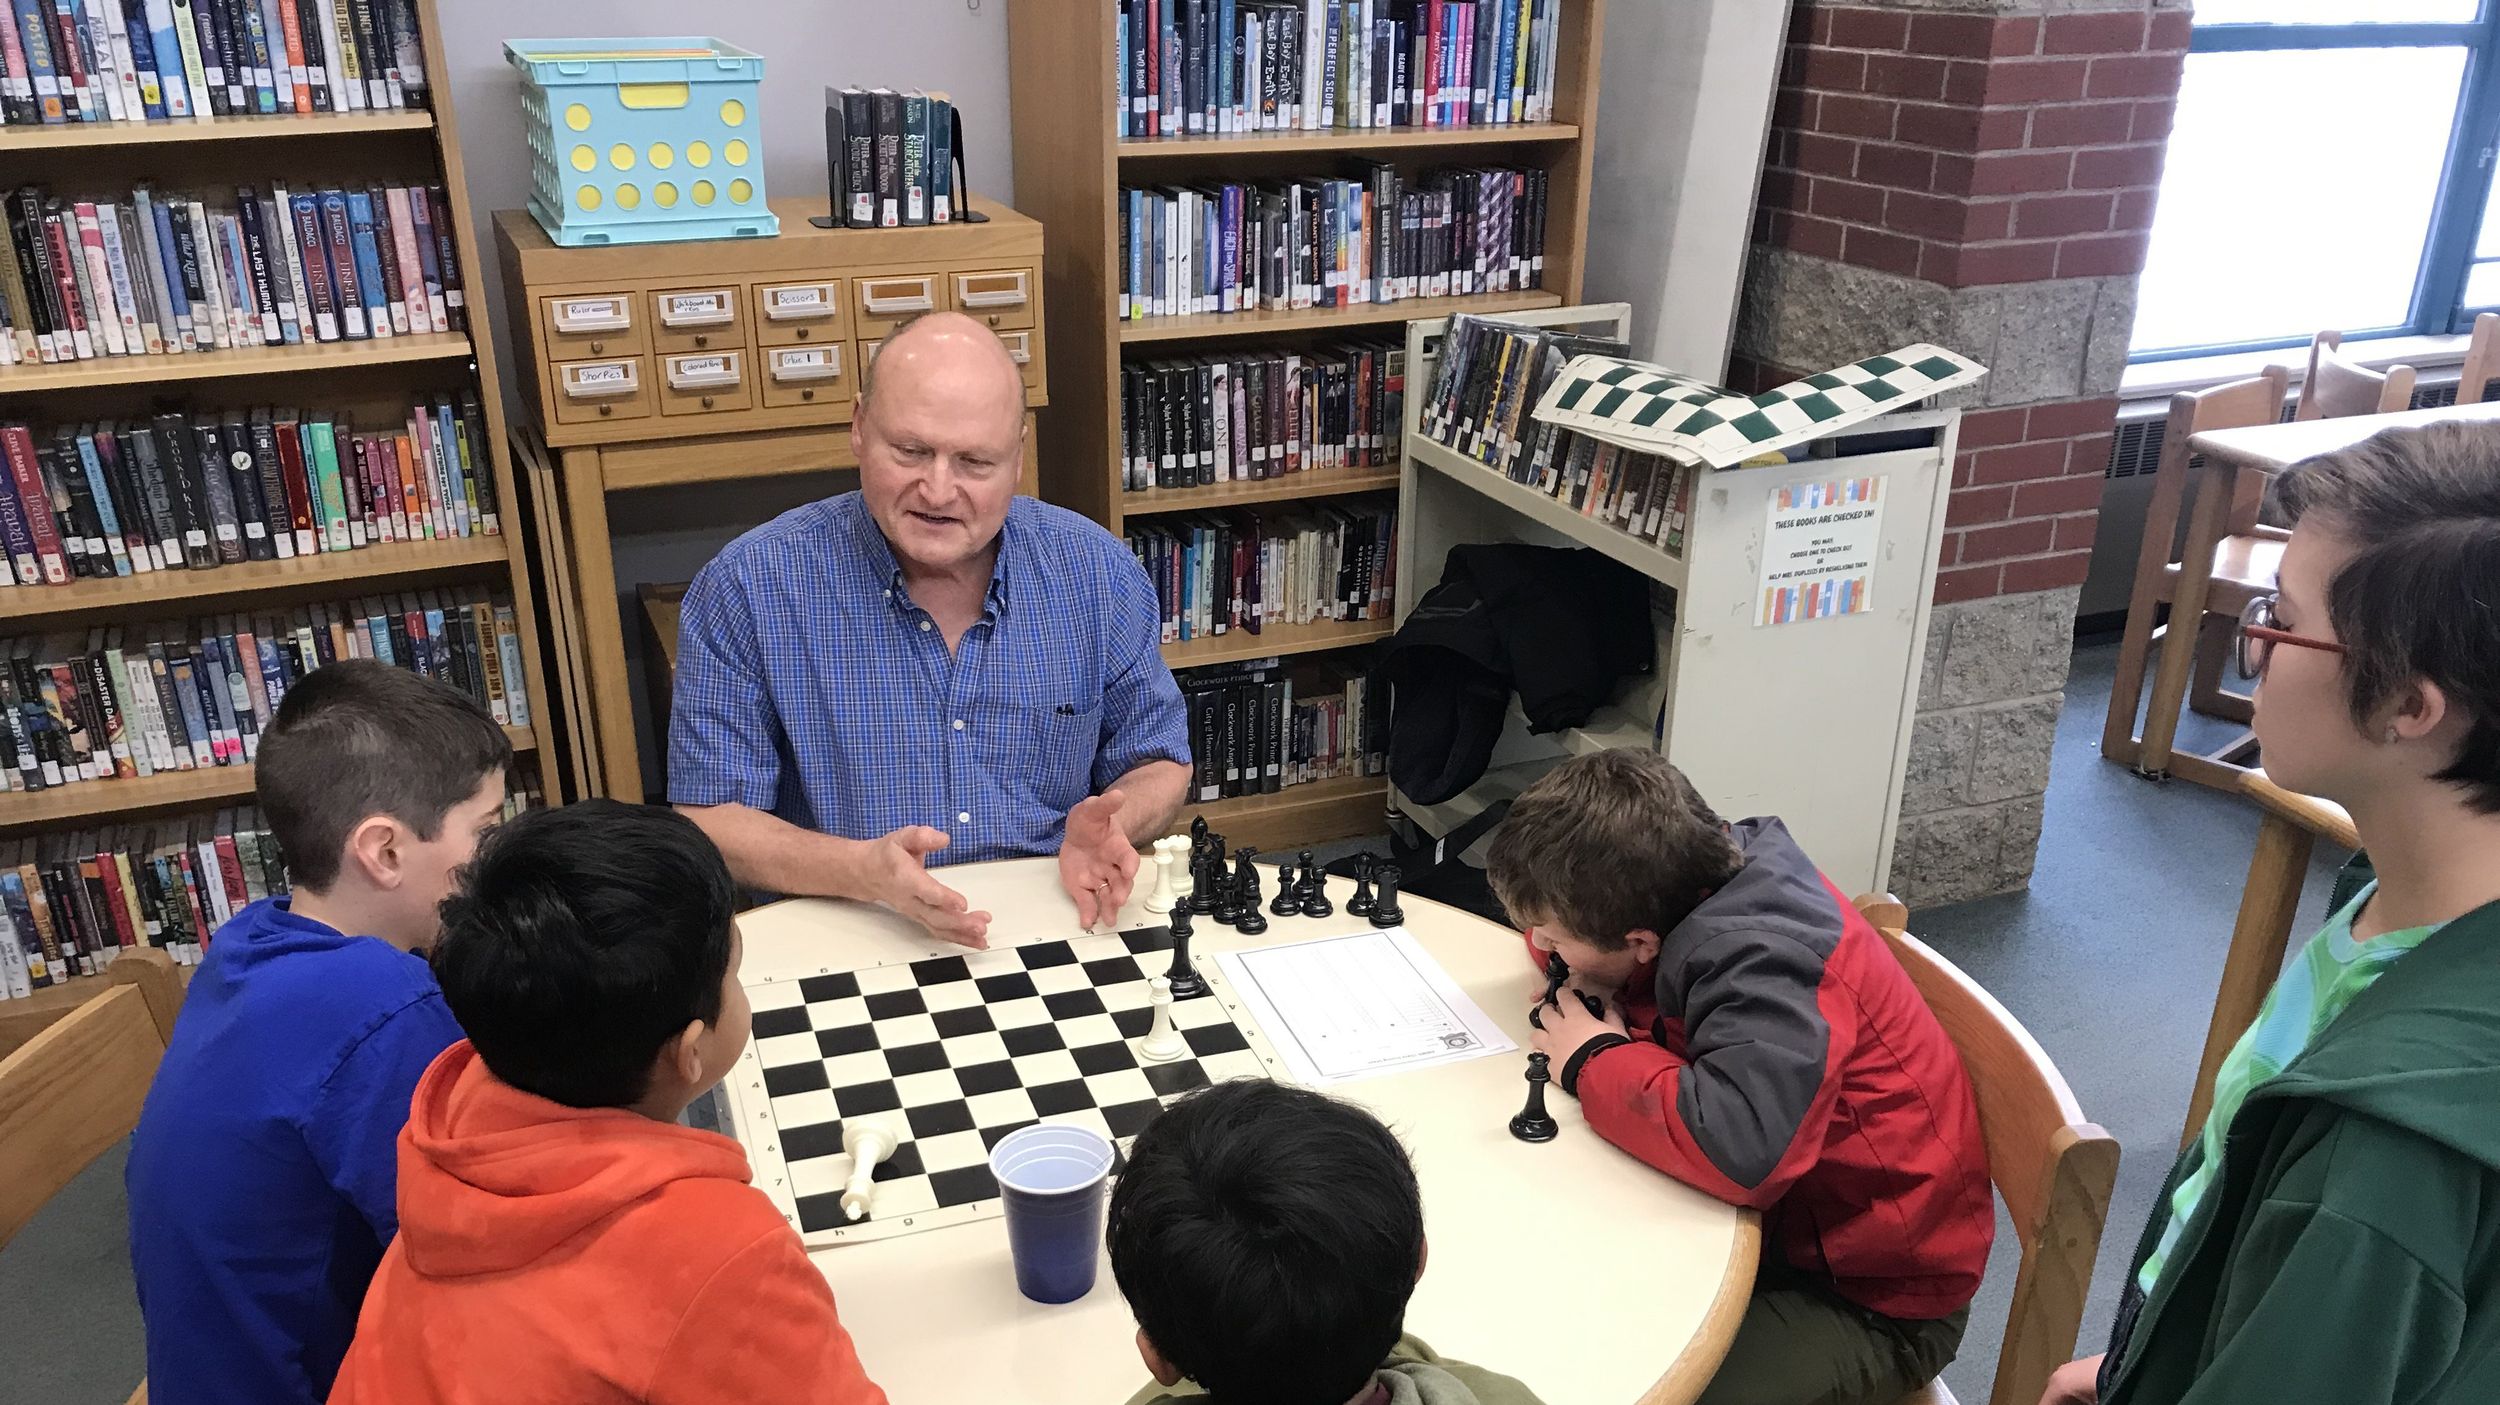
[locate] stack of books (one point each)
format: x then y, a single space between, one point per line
1224 67
1251 415
1256 728
1482 404
1216 572
1325 242
202 489
70 903
118 703
138 60
162 273
895 156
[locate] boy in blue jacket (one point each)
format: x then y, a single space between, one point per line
263 1175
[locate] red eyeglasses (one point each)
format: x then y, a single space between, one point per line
2260 631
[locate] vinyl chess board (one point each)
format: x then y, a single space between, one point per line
955 1052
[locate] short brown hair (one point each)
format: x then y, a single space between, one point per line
359 738
2421 509
1608 845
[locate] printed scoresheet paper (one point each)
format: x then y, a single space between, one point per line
1343 1008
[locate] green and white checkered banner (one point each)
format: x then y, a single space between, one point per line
1655 410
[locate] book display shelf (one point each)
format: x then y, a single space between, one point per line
366 384
1073 65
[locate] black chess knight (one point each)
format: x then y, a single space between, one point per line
1247 919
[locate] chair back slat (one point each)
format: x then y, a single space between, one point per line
75 1089
2337 386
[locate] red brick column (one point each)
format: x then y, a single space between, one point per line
1983 179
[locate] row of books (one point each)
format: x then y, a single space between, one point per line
1482 404
894 158
202 489
139 60
69 904
1257 727
119 704
1325 242
1221 67
1243 570
1260 414
162 274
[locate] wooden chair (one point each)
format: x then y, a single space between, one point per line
2292 825
2337 386
2242 568
2054 1169
2482 360
76 1089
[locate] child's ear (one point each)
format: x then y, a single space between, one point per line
1642 942
1423 1256
682 1057
1164 1372
373 851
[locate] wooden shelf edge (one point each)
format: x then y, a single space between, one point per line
1323 483
175 131
1311 813
1268 322
98 801
1235 645
1655 562
1343 139
29 378
174 588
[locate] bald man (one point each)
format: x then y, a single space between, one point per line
930 670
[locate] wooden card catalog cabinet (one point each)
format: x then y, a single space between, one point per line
659 341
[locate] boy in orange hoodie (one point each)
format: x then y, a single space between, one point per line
561 1238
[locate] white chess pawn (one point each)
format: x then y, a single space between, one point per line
869 1143
1162 1043
1164 895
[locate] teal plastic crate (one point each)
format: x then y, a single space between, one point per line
635 141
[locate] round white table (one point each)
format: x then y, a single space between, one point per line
1657 1273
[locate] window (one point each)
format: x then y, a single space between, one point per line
2330 166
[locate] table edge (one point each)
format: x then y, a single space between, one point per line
1691 1371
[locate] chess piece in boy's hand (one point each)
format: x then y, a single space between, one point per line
1247 919
1575 1017
1556 972
1534 1123
1385 910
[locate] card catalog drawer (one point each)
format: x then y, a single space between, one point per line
587 392
887 303
795 314
591 324
705 383
999 298
807 375
696 319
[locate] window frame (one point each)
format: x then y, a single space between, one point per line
2437 304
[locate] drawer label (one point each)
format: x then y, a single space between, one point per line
610 374
806 359
594 309
797 299
700 365
696 304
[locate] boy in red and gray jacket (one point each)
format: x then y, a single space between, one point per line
1758 1042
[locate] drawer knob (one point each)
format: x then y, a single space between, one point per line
607 409
707 402
803 333
702 339
598 347
994 319
808 394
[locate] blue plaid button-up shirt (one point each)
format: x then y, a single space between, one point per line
810 685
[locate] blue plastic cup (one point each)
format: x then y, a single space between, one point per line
1051 1179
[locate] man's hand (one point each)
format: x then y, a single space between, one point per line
1097 863
897 874
2075 1383
1567 1024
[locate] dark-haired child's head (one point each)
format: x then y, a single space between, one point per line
376 783
2394 568
1605 853
1267 1238
592 957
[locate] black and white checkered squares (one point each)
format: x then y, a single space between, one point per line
1654 410
955 1052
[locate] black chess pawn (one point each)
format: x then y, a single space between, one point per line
1315 901
1288 893
1534 1123
1385 910
1227 892
1361 903
1187 984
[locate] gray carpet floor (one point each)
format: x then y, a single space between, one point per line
2111 958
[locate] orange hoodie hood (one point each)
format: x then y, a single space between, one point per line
590 1256
493 1179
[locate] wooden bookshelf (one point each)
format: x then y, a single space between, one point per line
74 136
34 378
110 801
421 148
1070 164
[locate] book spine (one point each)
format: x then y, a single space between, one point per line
264 305
412 283
447 253
368 263
421 220
321 437
338 242
313 254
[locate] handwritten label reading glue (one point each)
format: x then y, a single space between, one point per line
814 358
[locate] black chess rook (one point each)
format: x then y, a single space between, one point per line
1385 910
1534 1123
